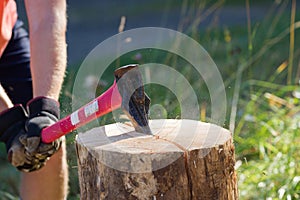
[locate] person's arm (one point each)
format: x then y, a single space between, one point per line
47 27
5 102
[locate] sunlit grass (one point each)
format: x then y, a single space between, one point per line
267 149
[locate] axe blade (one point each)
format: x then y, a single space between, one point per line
135 102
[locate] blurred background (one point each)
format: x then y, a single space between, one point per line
91 23
256 46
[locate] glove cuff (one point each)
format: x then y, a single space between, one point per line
10 117
37 105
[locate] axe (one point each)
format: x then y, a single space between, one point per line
126 92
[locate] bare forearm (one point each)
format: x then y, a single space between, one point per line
48 68
47 27
5 102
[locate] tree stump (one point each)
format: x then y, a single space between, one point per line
184 159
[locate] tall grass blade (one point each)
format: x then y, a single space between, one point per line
292 42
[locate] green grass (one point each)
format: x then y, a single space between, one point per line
268 152
253 61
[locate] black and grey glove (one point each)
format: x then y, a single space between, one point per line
12 130
42 112
21 133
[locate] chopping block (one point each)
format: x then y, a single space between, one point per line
183 159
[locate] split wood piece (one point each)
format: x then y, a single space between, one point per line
184 159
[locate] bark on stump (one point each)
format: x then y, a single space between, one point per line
184 159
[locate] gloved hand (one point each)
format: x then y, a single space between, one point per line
21 133
12 130
42 112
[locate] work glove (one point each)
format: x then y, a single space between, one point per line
12 130
42 112
21 133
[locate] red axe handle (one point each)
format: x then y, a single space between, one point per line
105 103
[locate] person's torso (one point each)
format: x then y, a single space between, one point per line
8 18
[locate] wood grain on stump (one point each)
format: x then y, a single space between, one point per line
184 159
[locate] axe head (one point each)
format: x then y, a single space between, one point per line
135 102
